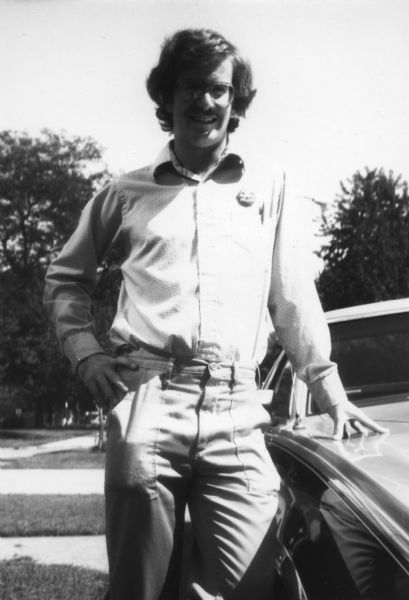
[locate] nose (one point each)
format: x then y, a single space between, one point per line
205 100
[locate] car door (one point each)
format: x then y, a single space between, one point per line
323 542
325 549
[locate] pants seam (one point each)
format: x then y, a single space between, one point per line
237 452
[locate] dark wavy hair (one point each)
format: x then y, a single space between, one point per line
189 48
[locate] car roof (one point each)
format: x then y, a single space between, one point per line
374 309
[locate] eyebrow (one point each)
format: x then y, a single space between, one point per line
196 79
207 81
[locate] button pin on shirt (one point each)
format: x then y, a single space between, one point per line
246 198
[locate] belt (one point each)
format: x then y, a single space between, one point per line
185 360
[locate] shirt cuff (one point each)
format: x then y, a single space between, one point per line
81 345
328 391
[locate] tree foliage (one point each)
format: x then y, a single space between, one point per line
44 183
366 255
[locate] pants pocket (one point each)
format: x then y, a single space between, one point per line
132 430
259 470
132 379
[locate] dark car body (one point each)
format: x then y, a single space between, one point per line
343 518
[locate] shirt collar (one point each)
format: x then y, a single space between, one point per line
167 170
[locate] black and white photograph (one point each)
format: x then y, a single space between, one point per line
204 300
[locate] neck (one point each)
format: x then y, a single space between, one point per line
199 160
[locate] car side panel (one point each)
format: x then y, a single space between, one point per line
334 555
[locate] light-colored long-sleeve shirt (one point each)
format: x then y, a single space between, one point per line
209 265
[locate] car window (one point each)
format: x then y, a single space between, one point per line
372 354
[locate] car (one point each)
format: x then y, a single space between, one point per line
342 525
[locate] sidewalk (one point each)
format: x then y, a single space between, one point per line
88 552
83 551
74 443
51 481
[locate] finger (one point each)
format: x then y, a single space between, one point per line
123 361
369 423
121 385
358 427
115 381
339 429
94 389
105 388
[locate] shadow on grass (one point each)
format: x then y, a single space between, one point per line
24 579
23 515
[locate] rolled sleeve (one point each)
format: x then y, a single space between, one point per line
80 346
328 391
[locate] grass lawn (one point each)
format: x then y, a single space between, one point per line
21 438
64 459
24 579
23 515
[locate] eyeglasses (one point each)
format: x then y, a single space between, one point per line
221 93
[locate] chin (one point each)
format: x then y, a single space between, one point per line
213 138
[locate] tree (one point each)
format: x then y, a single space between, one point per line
366 256
44 183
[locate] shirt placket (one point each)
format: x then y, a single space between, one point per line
214 232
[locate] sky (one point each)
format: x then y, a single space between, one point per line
332 78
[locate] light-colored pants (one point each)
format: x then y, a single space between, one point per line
189 435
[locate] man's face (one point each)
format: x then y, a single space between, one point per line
201 122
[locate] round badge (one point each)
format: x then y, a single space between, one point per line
246 198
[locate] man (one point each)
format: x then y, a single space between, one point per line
209 249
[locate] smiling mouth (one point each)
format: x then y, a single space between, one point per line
203 120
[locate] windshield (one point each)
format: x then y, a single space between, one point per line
372 354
